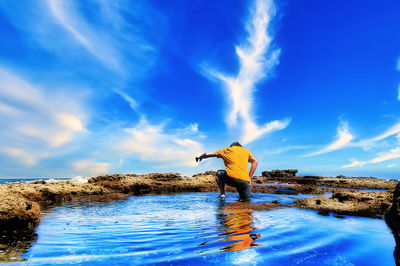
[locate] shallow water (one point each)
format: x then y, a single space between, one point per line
197 228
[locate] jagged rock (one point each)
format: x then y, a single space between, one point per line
280 173
166 176
210 172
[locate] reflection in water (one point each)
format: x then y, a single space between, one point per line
14 243
237 221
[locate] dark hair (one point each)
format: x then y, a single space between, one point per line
235 144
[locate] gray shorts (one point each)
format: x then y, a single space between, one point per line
242 186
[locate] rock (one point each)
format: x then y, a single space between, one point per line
348 202
392 218
211 172
17 211
313 177
280 173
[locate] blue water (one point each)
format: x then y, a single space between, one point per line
16 180
199 229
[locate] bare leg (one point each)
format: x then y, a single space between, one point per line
221 184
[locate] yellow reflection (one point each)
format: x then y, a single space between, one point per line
237 219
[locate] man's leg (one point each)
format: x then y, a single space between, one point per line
221 177
244 191
242 187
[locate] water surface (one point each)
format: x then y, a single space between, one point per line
197 228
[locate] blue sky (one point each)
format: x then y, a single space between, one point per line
95 87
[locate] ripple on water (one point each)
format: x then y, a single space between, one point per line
197 228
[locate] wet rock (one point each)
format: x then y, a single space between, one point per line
348 202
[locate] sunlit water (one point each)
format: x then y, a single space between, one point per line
199 229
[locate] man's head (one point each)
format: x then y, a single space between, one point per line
235 144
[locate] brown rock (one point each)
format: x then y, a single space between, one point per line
280 173
17 211
349 202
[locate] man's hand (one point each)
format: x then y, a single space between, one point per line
205 155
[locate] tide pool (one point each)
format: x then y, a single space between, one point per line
200 229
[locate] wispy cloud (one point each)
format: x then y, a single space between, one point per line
353 164
343 139
114 35
382 157
66 14
27 158
398 92
132 102
257 59
393 130
153 143
34 122
286 149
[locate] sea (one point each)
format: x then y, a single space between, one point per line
201 229
76 179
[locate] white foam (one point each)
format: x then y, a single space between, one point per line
79 180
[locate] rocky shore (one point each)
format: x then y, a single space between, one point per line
21 203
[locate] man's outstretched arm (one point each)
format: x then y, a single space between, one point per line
253 167
205 155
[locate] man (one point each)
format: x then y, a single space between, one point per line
236 159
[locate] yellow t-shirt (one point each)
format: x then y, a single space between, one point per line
236 160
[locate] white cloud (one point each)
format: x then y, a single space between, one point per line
132 102
286 149
152 143
35 121
257 58
90 167
92 36
343 139
68 17
395 129
353 164
382 157
398 92
392 154
398 64
25 157
391 165
252 131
